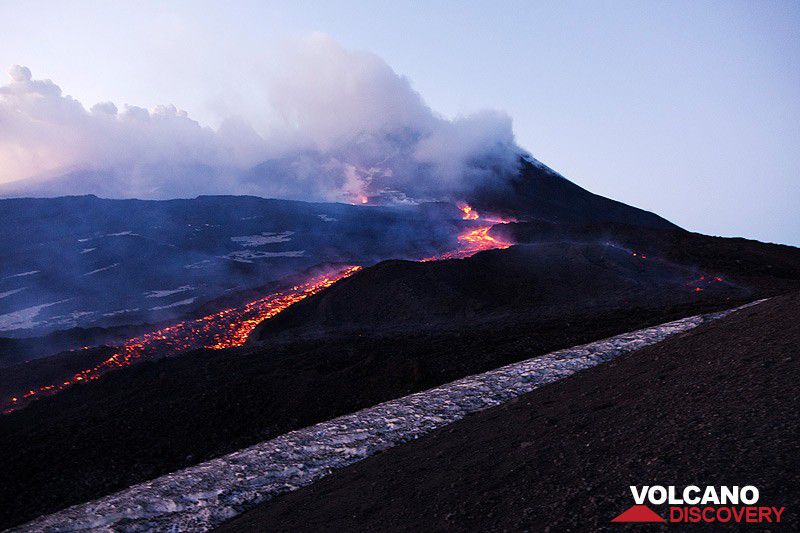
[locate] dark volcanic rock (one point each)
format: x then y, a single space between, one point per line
156 417
770 268
540 193
531 281
711 407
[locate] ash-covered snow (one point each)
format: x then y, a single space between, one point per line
201 497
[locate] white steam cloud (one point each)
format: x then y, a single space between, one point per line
349 128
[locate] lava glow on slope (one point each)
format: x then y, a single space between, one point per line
473 241
225 329
468 212
476 239
230 328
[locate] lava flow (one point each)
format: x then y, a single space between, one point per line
475 239
468 212
225 329
230 328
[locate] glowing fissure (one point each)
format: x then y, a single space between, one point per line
225 329
230 328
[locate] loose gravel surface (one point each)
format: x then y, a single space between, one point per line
716 405
203 496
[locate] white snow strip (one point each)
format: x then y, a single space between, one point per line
122 234
24 318
264 238
176 304
87 250
121 312
12 291
70 319
167 292
201 497
246 256
22 274
102 269
326 218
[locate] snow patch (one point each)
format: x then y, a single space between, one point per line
200 264
176 304
23 274
246 256
264 238
109 267
326 218
121 312
67 320
87 250
167 292
12 291
24 318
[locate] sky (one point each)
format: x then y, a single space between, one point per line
688 109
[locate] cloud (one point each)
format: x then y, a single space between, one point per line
347 127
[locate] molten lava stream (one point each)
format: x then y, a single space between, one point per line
474 240
230 328
225 329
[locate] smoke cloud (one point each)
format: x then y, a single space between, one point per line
348 128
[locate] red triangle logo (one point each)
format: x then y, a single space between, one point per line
638 513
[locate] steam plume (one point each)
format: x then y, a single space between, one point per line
349 128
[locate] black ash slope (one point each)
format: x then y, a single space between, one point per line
537 192
767 267
523 283
713 406
146 420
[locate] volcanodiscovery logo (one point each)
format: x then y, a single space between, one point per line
693 504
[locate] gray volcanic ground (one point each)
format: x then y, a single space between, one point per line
85 261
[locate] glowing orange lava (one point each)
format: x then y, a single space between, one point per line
225 329
468 213
473 240
230 328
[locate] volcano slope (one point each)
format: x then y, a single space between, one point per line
522 284
538 192
444 320
712 406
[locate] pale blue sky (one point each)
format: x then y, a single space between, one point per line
689 109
